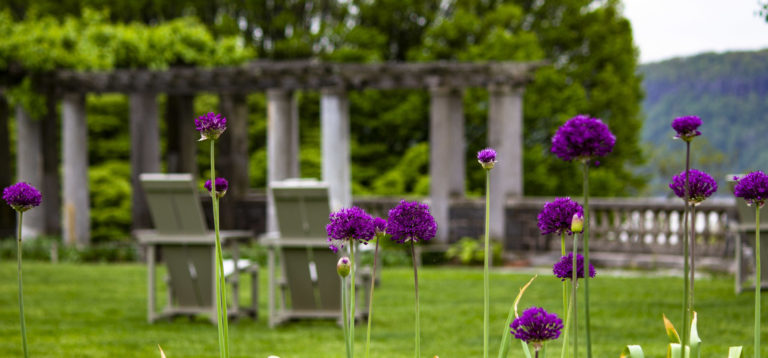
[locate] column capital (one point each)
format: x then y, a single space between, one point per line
504 89
333 91
445 90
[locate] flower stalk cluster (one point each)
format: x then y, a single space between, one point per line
21 197
211 126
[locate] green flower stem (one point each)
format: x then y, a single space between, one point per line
352 274
416 294
574 304
221 308
345 323
586 258
565 284
21 295
686 267
691 293
563 352
758 282
370 300
486 280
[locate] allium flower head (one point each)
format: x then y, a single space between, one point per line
380 226
582 138
686 127
349 224
563 269
556 216
700 185
411 220
22 196
536 326
343 266
221 186
487 158
753 187
210 126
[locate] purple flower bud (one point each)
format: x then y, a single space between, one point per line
686 127
22 196
487 158
210 126
221 186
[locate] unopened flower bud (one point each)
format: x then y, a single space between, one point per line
577 223
343 267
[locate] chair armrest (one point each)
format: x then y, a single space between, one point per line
293 242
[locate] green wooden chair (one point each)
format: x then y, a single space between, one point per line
309 287
186 245
744 229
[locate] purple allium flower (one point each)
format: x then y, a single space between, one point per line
582 138
700 185
221 186
343 266
556 216
487 158
686 127
22 196
564 268
411 220
210 126
380 226
536 326
753 187
349 224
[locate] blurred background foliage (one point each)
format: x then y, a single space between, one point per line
587 44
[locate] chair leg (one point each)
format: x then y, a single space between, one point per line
255 292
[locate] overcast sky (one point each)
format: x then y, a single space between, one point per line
671 28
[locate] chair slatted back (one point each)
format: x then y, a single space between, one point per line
302 208
174 203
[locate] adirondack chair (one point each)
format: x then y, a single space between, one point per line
187 247
744 228
307 265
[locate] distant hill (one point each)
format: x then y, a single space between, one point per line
729 92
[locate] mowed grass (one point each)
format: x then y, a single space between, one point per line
100 311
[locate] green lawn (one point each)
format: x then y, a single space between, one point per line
100 311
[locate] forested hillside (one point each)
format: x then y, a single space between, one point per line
728 91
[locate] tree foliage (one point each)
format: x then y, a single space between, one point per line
587 44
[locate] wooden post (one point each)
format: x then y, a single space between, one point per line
181 136
145 152
232 162
77 220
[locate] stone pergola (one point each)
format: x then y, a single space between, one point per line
445 81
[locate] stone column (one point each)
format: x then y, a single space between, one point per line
77 219
334 117
145 152
29 167
181 136
446 144
7 221
505 134
232 163
282 143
